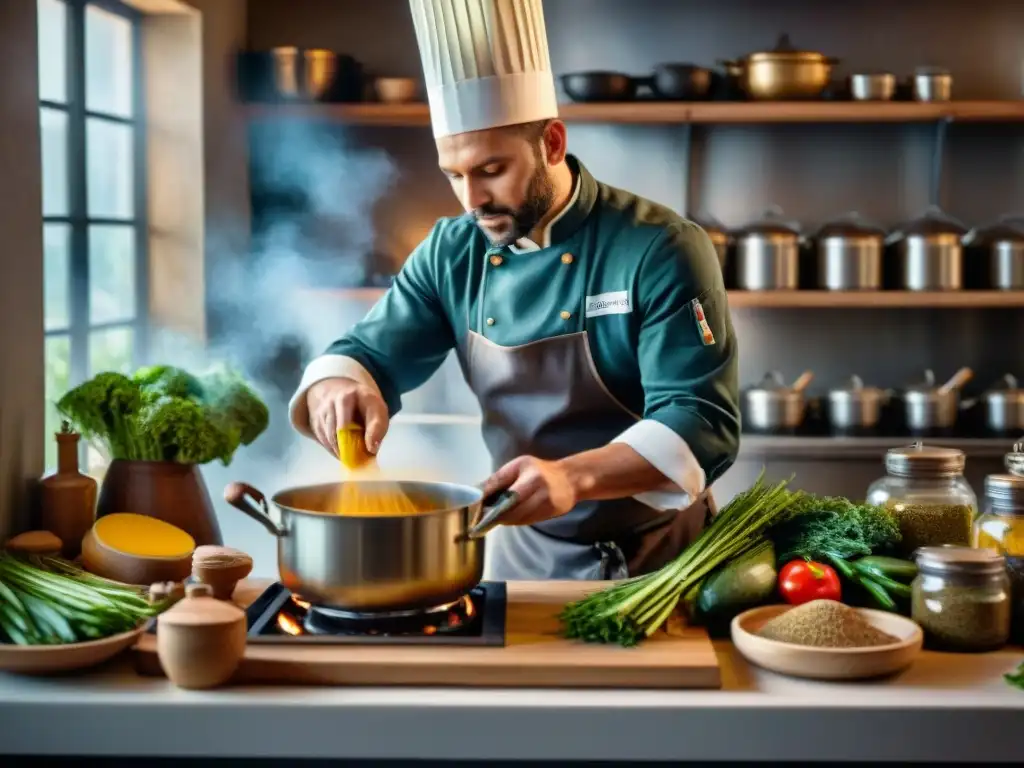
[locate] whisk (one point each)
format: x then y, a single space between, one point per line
374 499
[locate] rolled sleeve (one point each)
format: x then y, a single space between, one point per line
668 453
687 353
400 343
325 367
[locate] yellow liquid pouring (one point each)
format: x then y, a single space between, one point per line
359 499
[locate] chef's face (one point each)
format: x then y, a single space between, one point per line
503 176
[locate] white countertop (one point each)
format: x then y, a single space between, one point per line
944 708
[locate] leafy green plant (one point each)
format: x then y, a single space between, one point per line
165 413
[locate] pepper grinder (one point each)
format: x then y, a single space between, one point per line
201 640
67 497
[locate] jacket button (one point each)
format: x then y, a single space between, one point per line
490 321
567 258
565 314
496 260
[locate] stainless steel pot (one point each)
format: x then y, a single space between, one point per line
1004 243
784 73
932 84
768 254
1004 406
376 564
771 406
929 408
930 252
850 254
718 234
855 407
873 86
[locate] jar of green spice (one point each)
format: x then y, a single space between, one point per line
961 598
929 496
1000 527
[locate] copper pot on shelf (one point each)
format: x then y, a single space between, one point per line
784 73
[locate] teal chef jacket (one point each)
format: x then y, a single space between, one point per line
647 283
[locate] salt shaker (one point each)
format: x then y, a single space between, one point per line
201 640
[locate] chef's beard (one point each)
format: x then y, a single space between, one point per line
540 196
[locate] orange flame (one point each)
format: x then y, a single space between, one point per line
289 625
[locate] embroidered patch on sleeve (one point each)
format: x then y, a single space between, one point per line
702 324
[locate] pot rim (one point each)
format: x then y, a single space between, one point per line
425 484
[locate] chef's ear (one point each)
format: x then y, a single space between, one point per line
554 142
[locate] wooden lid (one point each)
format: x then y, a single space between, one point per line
213 556
199 609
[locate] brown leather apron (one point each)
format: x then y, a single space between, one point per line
545 399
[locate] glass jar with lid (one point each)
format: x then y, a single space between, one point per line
1015 460
927 492
1000 528
961 598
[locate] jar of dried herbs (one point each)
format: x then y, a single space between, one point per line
961 598
926 491
1000 527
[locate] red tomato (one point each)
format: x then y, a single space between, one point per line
802 581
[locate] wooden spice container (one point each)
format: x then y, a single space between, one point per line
220 567
201 640
67 497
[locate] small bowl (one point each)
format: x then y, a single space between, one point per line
69 657
827 663
396 90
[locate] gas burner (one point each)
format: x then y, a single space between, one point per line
478 618
452 617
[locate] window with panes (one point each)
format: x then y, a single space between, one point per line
93 161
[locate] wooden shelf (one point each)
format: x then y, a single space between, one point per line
802 299
876 299
761 447
641 112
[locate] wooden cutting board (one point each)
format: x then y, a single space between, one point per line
534 654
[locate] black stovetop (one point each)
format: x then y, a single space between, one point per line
279 617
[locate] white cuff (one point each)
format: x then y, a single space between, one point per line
324 367
668 453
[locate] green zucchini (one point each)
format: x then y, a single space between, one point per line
893 568
742 583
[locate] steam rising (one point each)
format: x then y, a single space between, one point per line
314 193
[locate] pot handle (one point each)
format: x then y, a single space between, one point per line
252 503
491 515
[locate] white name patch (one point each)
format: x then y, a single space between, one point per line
612 303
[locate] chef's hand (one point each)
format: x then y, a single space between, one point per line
337 402
544 489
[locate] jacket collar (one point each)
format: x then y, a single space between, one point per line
572 216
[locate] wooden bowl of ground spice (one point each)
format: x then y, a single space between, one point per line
826 640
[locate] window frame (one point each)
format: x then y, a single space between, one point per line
79 329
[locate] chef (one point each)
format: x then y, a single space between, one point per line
591 324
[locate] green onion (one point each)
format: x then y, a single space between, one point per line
46 600
634 609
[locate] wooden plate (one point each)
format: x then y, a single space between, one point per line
49 659
827 663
